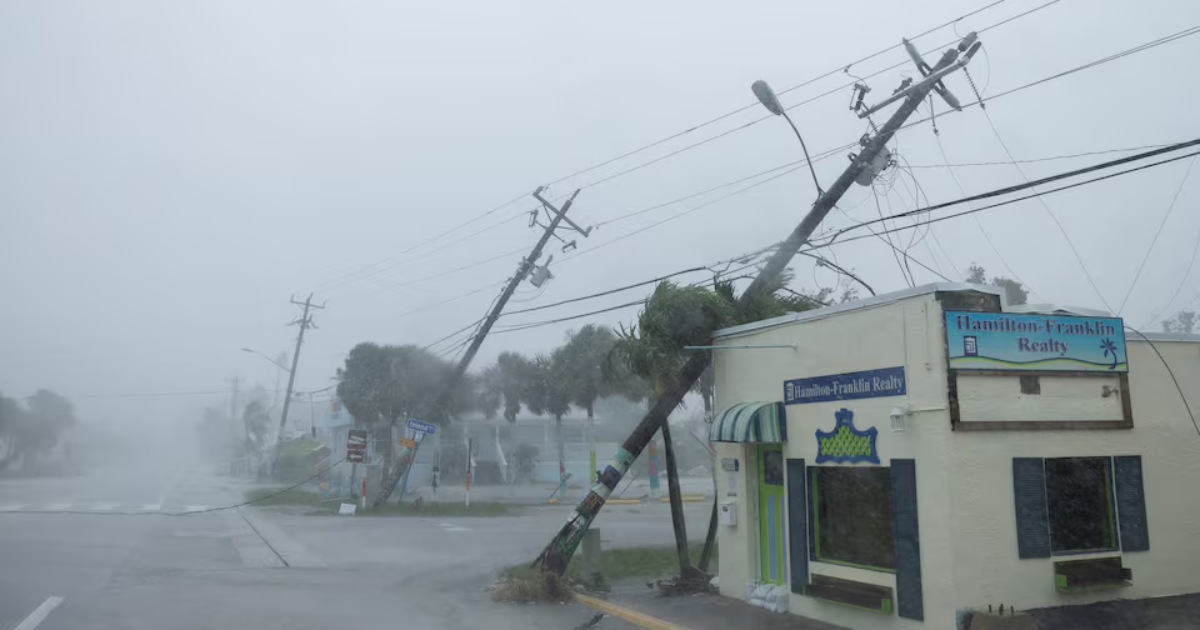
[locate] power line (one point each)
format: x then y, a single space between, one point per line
962 191
1161 225
822 95
455 270
1062 230
608 292
434 239
1050 158
404 263
374 268
1010 189
837 70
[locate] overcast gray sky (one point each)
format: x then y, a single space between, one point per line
171 172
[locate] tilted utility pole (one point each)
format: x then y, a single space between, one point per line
562 546
524 268
305 322
233 382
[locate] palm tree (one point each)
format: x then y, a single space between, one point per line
676 316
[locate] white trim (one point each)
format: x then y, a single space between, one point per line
878 300
39 614
1152 336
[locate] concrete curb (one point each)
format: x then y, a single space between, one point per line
632 616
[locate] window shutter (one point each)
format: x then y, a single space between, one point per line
797 524
1029 493
1131 503
909 600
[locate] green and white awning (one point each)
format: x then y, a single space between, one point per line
750 422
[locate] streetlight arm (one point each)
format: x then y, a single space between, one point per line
806 157
273 362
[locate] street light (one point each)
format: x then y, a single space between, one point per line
273 361
767 97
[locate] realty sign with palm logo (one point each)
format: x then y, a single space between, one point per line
1008 341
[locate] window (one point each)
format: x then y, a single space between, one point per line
1079 501
852 516
773 468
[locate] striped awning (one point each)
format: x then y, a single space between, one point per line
750 422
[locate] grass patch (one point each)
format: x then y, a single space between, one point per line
441 509
267 497
618 564
543 587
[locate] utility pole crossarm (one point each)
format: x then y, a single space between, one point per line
562 213
304 322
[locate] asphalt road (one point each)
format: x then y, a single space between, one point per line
90 552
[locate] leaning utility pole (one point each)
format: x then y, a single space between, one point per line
305 322
863 167
233 382
524 268
526 265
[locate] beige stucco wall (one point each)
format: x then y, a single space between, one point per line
986 565
905 333
964 479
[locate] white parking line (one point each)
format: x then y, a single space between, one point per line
36 617
57 507
104 507
195 508
11 508
151 507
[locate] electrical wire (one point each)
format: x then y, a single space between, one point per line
1172 374
1051 158
978 223
400 264
830 242
839 89
797 86
1161 225
604 293
1045 180
1179 287
1042 202
895 250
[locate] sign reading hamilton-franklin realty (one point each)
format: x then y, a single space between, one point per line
1009 341
849 386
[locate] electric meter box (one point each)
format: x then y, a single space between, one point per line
728 513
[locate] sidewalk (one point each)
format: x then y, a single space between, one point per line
698 612
693 488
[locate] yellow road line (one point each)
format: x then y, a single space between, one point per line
632 616
622 501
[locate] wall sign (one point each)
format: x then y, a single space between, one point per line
849 386
729 464
1008 341
845 444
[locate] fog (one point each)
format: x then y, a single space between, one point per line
171 174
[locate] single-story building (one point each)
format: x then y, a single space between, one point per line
900 461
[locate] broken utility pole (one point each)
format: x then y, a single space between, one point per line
305 322
524 269
562 546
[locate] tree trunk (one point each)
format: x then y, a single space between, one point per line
562 457
710 539
681 541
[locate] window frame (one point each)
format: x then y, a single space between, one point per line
814 515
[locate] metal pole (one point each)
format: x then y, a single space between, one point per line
557 554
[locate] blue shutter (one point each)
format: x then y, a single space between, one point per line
1029 493
909 600
797 524
1131 503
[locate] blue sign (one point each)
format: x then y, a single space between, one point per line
423 427
1007 341
865 384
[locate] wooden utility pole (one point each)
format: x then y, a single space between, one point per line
524 268
304 322
562 546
